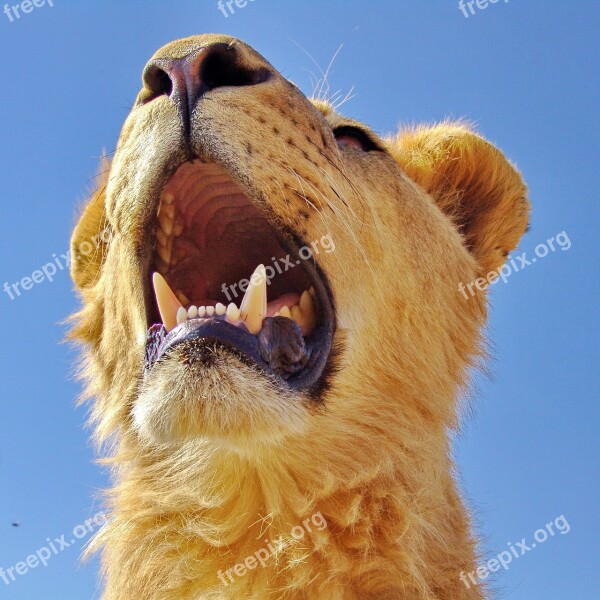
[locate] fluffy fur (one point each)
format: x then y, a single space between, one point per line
197 491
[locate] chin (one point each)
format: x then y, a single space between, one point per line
205 390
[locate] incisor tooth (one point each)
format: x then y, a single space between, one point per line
201 311
220 309
210 311
193 311
254 304
181 315
233 313
168 304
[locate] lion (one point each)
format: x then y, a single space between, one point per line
275 342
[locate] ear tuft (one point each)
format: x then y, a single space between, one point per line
472 182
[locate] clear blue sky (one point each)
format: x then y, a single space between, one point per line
525 71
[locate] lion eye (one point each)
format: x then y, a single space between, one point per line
352 137
349 141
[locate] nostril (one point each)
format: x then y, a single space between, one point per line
164 85
223 67
156 83
186 79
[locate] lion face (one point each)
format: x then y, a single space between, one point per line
277 272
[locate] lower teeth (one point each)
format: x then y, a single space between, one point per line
252 311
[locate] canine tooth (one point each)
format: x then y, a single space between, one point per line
193 311
254 304
201 311
210 311
181 315
220 309
284 311
233 313
182 297
168 304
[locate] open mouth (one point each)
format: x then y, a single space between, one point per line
224 274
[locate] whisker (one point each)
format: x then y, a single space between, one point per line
343 220
348 97
328 70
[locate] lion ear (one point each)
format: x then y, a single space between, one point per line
474 185
92 234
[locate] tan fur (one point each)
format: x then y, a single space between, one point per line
197 491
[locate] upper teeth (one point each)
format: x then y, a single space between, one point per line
170 225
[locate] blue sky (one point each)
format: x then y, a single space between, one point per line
524 71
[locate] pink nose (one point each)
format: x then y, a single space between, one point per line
186 80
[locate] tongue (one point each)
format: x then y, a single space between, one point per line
286 300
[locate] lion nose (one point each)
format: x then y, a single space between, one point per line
186 80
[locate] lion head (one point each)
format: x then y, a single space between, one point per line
277 309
